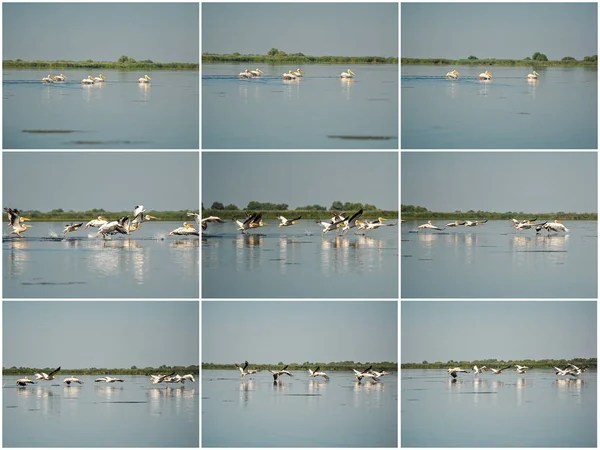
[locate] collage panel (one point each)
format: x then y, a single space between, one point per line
292 374
499 224
101 224
499 373
100 374
299 224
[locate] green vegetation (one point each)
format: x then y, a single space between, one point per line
418 212
537 364
331 366
60 215
537 59
123 63
146 371
276 56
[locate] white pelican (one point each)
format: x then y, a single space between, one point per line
563 372
522 369
351 222
60 77
479 370
189 376
499 371
455 370
96 222
20 228
160 378
196 216
43 376
289 76
71 227
287 222
527 224
348 74
533 76
145 79
487 75
276 373
474 223
72 379
452 75
14 218
48 79
108 380
243 226
116 226
316 373
360 375
575 371
243 369
100 78
186 230
454 224
88 80
299 73
368 226
379 374
555 226
245 74
24 381
430 225
516 222
252 221
207 220
256 73
138 217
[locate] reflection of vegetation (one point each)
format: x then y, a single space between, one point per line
276 56
193 369
537 59
60 215
123 63
419 212
538 364
341 365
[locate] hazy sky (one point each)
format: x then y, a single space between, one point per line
113 334
161 32
300 178
499 30
533 182
114 181
316 29
443 331
299 331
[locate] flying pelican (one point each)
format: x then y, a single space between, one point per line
100 78
516 222
207 220
196 216
189 376
243 369
522 369
299 73
72 379
452 75
348 74
368 226
316 373
575 371
116 226
186 230
499 371
71 227
360 375
336 220
88 80
256 73
563 372
243 226
160 378
487 75
379 374
430 225
455 370
479 370
138 217
533 76
289 76
108 380
146 79
287 222
469 223
48 79
276 373
454 224
245 74
60 77
556 226
96 222
16 222
43 376
351 222
24 381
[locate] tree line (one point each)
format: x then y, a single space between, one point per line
123 63
537 59
267 206
276 56
419 212
533 363
331 366
61 215
133 370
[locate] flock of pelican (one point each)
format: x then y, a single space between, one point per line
569 370
124 225
89 80
291 75
466 223
556 226
487 75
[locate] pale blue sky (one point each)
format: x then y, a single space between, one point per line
113 334
114 181
161 32
535 182
264 332
316 29
300 178
499 30
454 330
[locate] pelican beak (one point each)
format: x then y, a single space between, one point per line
25 218
151 217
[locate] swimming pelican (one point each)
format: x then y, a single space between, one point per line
499 371
60 77
24 381
479 370
487 75
207 220
469 223
71 227
556 226
100 78
245 74
522 369
88 80
452 75
146 79
299 73
287 222
276 373
256 73
360 375
108 380
116 226
43 376
186 230
454 224
48 79
72 379
351 222
455 370
430 225
316 373
348 74
14 217
160 378
289 76
96 222
533 76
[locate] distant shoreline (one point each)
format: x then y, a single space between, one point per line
67 216
89 64
296 59
496 62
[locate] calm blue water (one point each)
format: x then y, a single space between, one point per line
150 264
538 409
134 413
318 111
557 111
298 411
297 262
495 260
117 114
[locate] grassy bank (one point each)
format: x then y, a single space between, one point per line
89 64
58 215
146 371
498 62
298 59
237 214
409 212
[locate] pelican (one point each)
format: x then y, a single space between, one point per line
20 228
556 226
455 370
487 75
533 76
351 222
24 381
60 77
71 227
88 80
245 74
479 370
276 373
100 78
196 216
256 73
360 375
289 76
316 373
116 226
146 79
138 217
452 75
14 218
245 225
563 372
299 73
160 378
527 224
287 222
575 371
454 224
499 371
43 376
186 230
516 222
207 220
379 374
243 369
430 225
368 226
72 379
522 369
48 79
474 223
108 380
96 222
189 376
348 74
